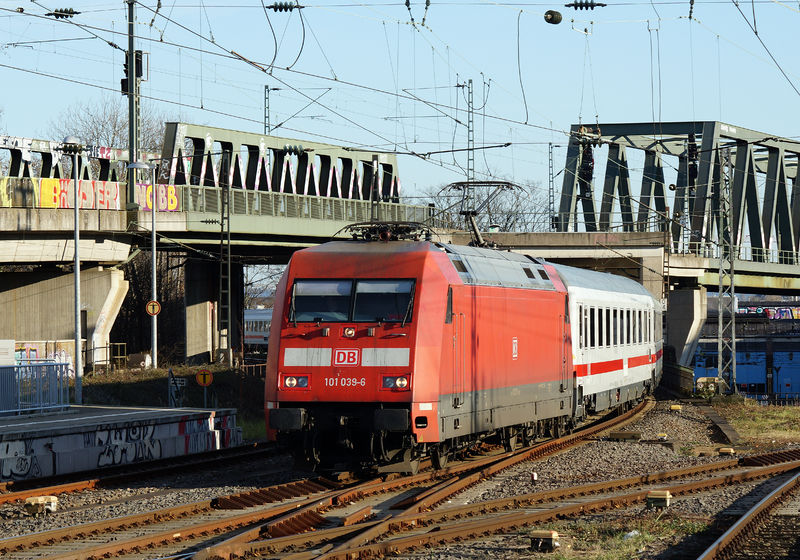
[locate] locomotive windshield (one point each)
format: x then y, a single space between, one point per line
321 300
383 301
386 301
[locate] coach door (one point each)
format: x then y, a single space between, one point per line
459 358
563 326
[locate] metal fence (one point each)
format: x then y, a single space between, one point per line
34 386
774 399
288 205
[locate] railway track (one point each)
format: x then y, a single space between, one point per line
770 530
13 491
333 520
229 522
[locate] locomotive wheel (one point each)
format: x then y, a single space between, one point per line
440 456
510 439
558 427
310 452
529 435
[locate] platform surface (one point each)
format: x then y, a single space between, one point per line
92 416
85 438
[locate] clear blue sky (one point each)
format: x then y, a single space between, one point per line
393 84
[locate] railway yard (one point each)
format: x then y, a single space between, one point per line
592 489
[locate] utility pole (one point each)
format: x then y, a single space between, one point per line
467 195
224 313
132 91
551 190
726 295
267 128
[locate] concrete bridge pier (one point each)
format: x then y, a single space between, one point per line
203 308
687 309
40 313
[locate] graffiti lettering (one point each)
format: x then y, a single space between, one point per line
17 461
127 445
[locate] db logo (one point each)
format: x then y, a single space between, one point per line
346 357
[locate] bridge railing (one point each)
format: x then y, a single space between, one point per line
288 205
749 253
34 386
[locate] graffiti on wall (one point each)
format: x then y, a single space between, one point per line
127 445
775 313
17 461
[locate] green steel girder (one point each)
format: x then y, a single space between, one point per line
693 221
208 156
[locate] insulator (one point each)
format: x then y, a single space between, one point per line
291 149
552 16
63 13
283 6
585 5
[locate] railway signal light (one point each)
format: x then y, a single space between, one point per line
138 68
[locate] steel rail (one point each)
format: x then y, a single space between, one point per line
724 546
462 529
29 488
474 471
72 533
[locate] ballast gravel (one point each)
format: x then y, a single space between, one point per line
153 494
686 431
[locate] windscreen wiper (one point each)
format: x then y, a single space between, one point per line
292 313
408 309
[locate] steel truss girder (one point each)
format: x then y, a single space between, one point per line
260 162
759 159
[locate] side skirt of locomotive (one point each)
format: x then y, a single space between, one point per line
360 435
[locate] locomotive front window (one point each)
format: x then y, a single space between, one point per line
384 301
321 300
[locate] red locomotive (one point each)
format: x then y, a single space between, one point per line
388 348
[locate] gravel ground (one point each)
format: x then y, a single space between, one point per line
606 460
156 493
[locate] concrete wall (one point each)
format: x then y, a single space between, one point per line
685 320
202 305
40 307
85 447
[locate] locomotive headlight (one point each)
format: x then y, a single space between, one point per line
292 381
395 382
350 332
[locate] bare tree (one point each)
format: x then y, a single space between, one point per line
521 209
104 122
260 282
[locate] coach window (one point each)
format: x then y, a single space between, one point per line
320 300
641 326
601 337
580 326
592 330
383 301
628 338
